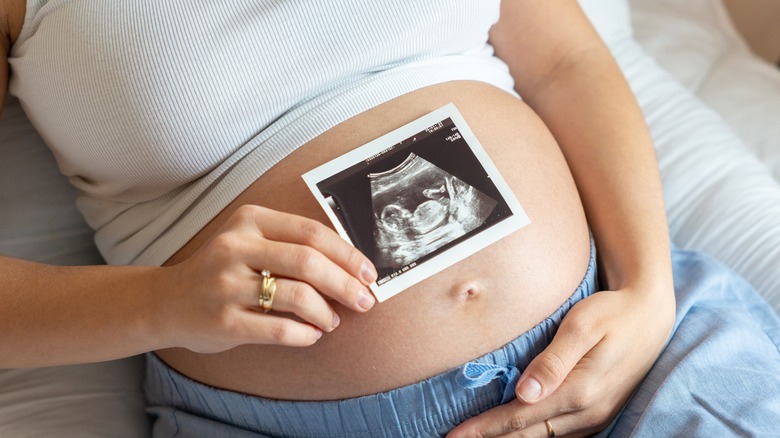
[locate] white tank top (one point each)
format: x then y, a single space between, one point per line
162 112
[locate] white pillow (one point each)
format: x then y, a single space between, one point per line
39 222
720 198
696 42
93 400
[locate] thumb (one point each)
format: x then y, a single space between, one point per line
549 369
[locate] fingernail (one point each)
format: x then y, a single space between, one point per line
317 334
336 320
365 299
368 273
529 389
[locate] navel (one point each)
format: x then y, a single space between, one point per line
468 291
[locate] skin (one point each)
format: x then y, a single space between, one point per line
205 300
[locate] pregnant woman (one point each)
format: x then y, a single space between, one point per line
186 126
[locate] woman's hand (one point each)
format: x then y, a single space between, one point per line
211 302
604 347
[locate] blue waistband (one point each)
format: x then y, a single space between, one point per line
184 407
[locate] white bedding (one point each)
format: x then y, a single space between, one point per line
717 167
702 50
720 166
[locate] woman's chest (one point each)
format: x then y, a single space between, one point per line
170 76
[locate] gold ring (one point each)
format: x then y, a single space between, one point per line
267 291
550 431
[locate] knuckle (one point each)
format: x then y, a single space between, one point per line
479 433
223 244
300 296
551 368
582 399
306 259
355 260
279 333
351 287
312 231
515 422
247 211
222 283
581 327
227 322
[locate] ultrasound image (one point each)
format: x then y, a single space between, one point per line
418 208
417 205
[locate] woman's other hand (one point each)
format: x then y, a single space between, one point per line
604 347
608 341
212 300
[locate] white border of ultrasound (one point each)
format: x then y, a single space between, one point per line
453 255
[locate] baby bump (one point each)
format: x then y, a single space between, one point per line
465 311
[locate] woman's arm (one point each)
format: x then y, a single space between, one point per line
567 75
55 315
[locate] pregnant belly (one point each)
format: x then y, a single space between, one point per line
467 310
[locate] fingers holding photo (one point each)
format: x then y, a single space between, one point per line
243 270
285 227
304 249
308 265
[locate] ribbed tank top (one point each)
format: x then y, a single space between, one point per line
162 113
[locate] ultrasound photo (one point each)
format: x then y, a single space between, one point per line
418 199
418 208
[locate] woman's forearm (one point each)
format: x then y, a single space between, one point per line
593 115
207 303
52 315
566 74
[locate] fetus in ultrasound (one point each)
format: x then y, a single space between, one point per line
418 208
